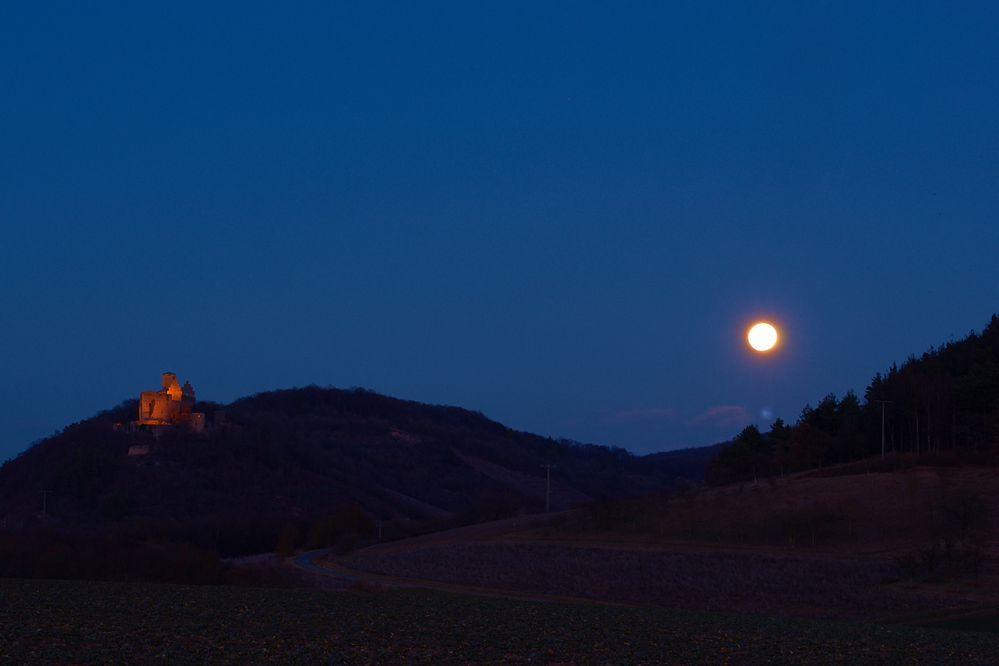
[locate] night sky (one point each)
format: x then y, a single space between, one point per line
561 214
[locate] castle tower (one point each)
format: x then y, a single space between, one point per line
187 400
168 379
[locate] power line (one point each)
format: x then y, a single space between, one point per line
883 403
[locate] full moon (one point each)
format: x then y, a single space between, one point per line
762 336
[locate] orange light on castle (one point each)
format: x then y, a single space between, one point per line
172 405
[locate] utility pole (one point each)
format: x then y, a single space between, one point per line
883 402
548 487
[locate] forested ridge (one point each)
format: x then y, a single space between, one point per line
946 400
306 467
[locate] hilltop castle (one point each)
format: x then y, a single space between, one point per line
172 405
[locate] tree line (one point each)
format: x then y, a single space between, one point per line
945 400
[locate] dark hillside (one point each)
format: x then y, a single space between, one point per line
298 456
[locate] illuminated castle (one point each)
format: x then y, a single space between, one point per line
172 405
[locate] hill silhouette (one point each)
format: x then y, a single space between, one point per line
299 456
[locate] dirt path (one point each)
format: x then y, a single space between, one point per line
320 563
317 563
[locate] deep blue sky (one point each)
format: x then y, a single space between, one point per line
561 214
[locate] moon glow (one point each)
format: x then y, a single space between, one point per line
762 336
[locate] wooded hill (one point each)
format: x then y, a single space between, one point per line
943 402
302 455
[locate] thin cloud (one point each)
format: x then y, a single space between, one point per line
723 416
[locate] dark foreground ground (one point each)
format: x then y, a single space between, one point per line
819 587
84 622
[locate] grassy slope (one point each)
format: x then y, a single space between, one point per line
806 545
847 514
61 621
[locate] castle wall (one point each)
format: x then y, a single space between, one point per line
170 406
196 421
156 406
